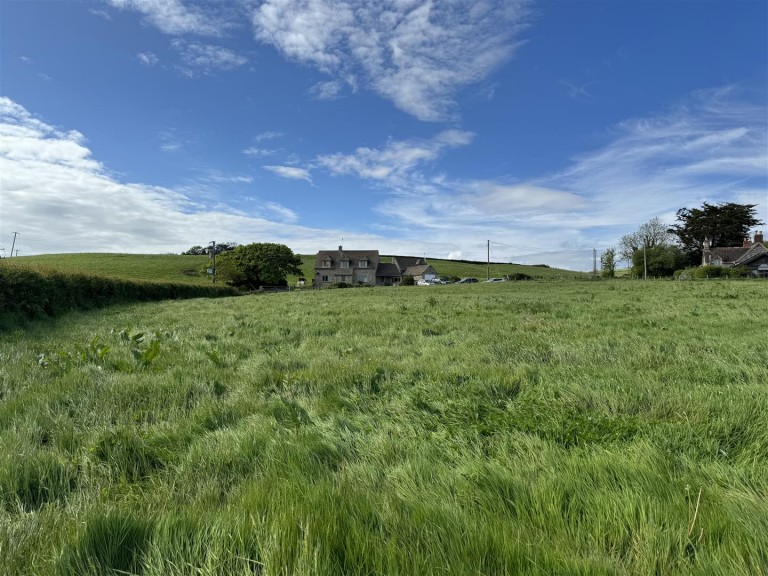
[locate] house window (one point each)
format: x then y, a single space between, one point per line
361 278
326 264
344 264
327 278
362 264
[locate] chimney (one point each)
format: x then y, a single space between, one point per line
759 236
339 247
747 242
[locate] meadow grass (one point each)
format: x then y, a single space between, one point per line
519 428
145 267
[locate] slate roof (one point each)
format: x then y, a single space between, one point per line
387 270
405 262
737 255
752 253
354 257
417 270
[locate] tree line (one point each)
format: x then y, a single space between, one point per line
657 249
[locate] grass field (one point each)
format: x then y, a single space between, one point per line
517 428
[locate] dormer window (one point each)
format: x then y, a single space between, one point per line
344 264
362 264
326 263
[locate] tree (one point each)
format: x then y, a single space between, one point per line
724 224
206 250
259 264
608 263
660 260
652 233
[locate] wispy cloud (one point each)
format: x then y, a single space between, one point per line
202 58
327 90
26 60
147 58
101 14
416 54
291 172
395 162
60 199
259 152
267 136
176 17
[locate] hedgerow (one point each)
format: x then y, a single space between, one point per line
32 294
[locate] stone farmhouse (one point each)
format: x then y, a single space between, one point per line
752 254
365 267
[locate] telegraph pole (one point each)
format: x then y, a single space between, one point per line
14 242
213 259
488 265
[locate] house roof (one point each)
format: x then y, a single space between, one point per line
728 254
336 256
387 270
404 262
753 252
417 270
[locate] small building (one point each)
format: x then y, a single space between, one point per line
751 254
349 266
364 267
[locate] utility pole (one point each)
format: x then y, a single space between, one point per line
213 259
645 263
488 265
14 242
594 262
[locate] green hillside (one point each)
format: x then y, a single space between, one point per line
189 269
150 267
477 269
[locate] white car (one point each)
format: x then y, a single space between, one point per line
423 283
495 280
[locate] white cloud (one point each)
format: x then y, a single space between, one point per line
291 172
147 58
417 54
175 17
62 200
258 152
206 58
327 90
397 160
267 136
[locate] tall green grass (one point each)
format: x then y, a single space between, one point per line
520 428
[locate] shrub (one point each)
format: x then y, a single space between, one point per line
408 281
32 294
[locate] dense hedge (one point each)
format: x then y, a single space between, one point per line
703 272
30 294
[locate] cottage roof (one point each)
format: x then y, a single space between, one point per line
404 262
728 254
387 270
354 256
753 252
417 270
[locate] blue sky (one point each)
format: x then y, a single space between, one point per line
414 127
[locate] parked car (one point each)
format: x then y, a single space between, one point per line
423 283
495 280
470 280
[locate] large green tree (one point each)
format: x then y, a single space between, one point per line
659 261
259 264
723 224
653 233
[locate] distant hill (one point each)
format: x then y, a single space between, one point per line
190 269
150 267
464 268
